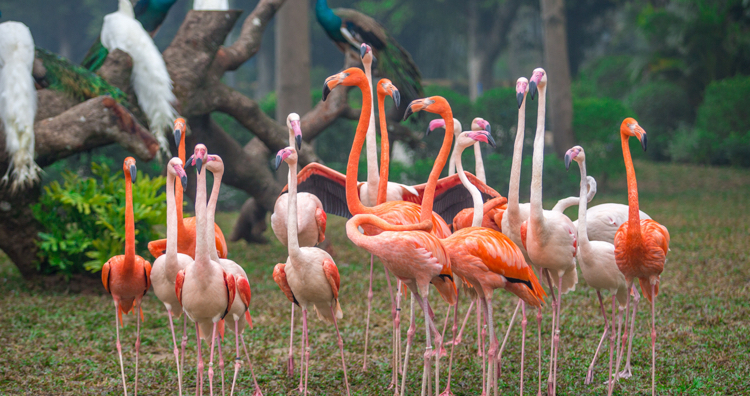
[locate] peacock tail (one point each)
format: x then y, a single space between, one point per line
95 56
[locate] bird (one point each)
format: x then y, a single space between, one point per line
185 226
206 291
477 124
150 13
165 268
350 28
605 219
150 79
127 277
210 5
641 245
550 236
310 277
311 219
597 262
18 104
239 315
486 259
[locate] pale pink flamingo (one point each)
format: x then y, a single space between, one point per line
641 246
165 269
205 290
239 314
309 278
598 266
127 277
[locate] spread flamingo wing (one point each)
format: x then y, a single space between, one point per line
326 184
279 276
105 276
178 282
231 291
451 196
332 274
410 194
321 218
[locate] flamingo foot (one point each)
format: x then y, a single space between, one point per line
625 374
447 391
589 377
290 367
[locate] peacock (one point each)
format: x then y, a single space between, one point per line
350 28
210 5
150 13
18 104
150 79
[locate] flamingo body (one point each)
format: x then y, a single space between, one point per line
311 219
605 219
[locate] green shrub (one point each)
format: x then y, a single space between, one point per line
500 108
724 107
84 218
557 183
607 76
704 147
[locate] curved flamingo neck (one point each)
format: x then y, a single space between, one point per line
634 217
479 168
129 223
515 170
583 236
373 177
179 193
536 210
476 196
202 256
385 151
210 234
291 216
452 162
352 167
437 167
171 220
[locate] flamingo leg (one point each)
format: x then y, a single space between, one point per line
301 387
428 342
550 387
590 373
183 344
539 339
481 343
369 308
199 369
611 381
137 343
398 327
221 362
557 334
457 338
252 372
447 391
439 346
409 338
611 339
176 354
341 348
394 359
307 346
119 348
653 339
491 357
211 362
626 372
290 361
237 358
523 338
480 333
507 334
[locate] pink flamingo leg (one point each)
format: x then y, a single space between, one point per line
307 345
457 339
252 372
612 339
557 334
184 343
237 358
481 325
394 348
626 372
611 381
409 338
341 348
176 354
482 344
119 349
137 343
301 387
550 387
211 362
492 367
290 362
221 362
653 339
426 375
505 339
369 308
199 379
447 391
590 373
523 338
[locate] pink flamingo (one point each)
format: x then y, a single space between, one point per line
166 266
309 278
641 246
205 290
127 277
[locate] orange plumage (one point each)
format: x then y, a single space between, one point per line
492 218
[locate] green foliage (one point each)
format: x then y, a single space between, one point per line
608 76
500 108
84 218
724 107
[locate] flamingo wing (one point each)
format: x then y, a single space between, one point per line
178 282
332 274
451 196
221 243
157 247
146 271
326 184
321 218
407 194
243 289
231 291
279 276
524 229
105 275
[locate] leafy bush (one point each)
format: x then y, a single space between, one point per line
704 147
724 107
500 108
607 76
84 218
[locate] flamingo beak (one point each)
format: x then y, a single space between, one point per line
490 139
568 159
408 112
532 90
326 91
297 134
488 128
183 177
396 97
278 161
519 98
198 163
434 124
177 137
133 173
643 140
362 50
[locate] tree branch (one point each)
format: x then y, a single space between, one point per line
247 45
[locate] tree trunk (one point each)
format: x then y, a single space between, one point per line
264 83
558 71
475 62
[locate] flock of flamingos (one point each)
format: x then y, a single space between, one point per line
497 243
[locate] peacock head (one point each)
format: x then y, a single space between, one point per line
349 77
522 88
630 127
386 87
288 155
468 138
480 124
128 166
180 127
574 154
174 168
293 123
537 81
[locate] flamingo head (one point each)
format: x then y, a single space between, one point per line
468 138
200 155
349 77
574 154
128 166
537 81
293 123
214 164
630 127
386 87
433 104
288 155
179 130
175 169
365 52
480 124
522 88
440 123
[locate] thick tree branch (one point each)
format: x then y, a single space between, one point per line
247 45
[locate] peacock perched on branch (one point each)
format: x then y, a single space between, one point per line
150 13
349 29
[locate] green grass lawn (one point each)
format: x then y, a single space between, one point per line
55 339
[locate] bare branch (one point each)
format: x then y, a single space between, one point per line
247 45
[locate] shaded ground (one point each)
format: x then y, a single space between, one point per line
56 340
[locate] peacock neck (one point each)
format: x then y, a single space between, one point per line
515 170
352 167
437 168
385 154
291 217
476 196
129 224
327 18
372 144
211 215
634 219
536 210
171 220
583 236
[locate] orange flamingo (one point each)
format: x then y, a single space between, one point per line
641 246
127 277
185 226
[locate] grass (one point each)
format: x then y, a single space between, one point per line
55 341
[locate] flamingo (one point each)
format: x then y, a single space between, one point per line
206 291
311 221
166 266
18 103
486 259
309 278
127 277
605 219
185 226
641 246
239 315
598 266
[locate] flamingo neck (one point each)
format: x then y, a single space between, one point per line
536 210
583 236
352 167
373 177
476 196
479 168
179 192
211 215
634 218
515 170
385 152
129 223
437 167
202 256
452 161
291 216
171 220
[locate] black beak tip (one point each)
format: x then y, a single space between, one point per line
427 133
133 173
519 98
326 91
489 130
362 51
184 181
177 137
567 161
532 90
397 98
198 164
278 162
644 142
298 140
491 141
408 112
